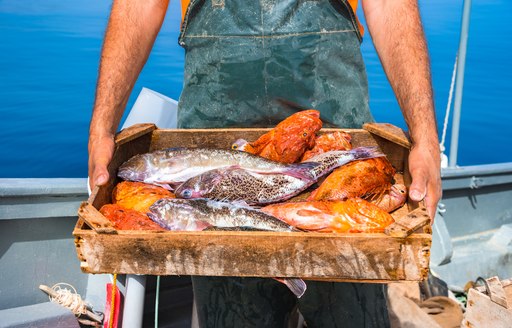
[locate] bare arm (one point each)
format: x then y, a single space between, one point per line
132 29
397 33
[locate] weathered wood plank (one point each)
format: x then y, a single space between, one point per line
406 225
389 132
482 312
224 138
133 132
95 220
372 257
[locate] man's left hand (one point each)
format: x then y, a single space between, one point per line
425 169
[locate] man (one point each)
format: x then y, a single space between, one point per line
242 55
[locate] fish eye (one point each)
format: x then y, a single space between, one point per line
234 146
304 134
187 193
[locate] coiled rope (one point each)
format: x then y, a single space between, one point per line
68 298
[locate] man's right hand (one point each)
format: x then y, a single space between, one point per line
132 29
101 150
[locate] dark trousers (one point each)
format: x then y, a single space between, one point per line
261 302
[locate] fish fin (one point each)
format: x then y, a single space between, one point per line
307 212
366 152
166 186
302 170
261 142
241 203
296 285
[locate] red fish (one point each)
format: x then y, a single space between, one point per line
288 141
127 219
338 140
137 195
392 200
369 178
352 215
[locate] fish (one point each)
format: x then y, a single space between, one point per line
206 215
170 167
369 178
199 214
392 200
352 215
254 188
128 219
288 140
138 196
337 140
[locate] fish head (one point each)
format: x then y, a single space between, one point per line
398 192
298 132
239 144
199 186
136 168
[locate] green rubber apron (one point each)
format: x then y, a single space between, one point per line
243 56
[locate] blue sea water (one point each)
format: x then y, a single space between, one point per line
49 53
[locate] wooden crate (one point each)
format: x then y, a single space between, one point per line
401 253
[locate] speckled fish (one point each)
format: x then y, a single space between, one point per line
200 214
288 140
352 215
237 184
168 168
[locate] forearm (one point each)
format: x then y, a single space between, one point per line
397 33
131 32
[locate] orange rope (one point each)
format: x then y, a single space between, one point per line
112 302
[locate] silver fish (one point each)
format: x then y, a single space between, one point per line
203 214
170 167
238 184
200 214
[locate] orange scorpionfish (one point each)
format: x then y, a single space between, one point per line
138 196
392 200
338 140
127 219
351 215
288 141
367 178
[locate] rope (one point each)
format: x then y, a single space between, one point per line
112 301
68 298
448 106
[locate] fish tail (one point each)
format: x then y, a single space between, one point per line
366 152
296 285
302 170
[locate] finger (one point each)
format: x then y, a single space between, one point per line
99 172
418 189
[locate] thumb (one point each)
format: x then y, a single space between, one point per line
100 176
418 189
